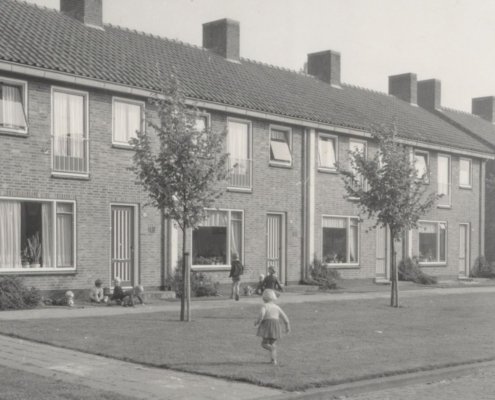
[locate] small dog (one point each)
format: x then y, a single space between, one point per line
137 292
248 291
66 300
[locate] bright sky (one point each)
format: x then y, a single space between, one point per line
451 40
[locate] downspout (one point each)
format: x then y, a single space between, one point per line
482 208
163 252
309 199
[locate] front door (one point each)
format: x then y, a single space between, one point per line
275 244
463 250
123 244
382 257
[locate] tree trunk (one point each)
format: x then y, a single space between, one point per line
394 295
184 280
188 284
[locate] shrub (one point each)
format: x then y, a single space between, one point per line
409 270
14 295
201 284
482 268
322 276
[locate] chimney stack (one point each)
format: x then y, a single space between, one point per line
223 38
325 65
89 12
429 94
484 107
404 86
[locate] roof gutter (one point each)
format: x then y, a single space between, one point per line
121 88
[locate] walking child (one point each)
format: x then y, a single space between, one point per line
269 325
236 270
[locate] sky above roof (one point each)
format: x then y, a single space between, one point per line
450 40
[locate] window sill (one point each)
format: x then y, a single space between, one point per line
211 267
8 132
328 170
122 146
343 266
446 206
66 175
432 264
465 187
38 271
280 165
240 190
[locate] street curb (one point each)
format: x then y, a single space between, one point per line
386 382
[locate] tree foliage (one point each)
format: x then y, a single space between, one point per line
180 166
392 195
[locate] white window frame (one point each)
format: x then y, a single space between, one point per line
278 163
207 116
335 138
365 150
438 242
348 250
449 196
199 267
84 175
470 185
140 103
426 178
250 153
38 271
24 91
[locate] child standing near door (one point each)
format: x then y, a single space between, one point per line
271 281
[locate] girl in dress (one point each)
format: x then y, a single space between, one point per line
269 324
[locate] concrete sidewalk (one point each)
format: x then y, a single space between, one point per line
405 291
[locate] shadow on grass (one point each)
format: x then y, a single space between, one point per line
213 364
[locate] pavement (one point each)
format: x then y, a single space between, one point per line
144 382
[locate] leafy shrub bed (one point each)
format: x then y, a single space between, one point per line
201 284
324 277
14 295
409 270
482 269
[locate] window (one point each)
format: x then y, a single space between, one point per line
327 152
465 174
13 106
127 120
421 163
202 123
340 240
432 242
36 234
70 137
280 146
444 180
239 149
218 237
359 146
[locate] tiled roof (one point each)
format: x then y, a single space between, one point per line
45 38
473 123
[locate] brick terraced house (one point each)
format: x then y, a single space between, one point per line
74 90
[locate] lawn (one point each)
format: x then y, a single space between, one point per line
331 342
22 385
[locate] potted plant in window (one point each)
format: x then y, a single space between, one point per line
34 246
25 259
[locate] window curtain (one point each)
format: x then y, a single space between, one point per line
335 223
12 111
46 235
236 234
238 145
465 172
68 125
215 218
64 235
443 175
353 241
10 234
127 120
326 152
427 228
421 165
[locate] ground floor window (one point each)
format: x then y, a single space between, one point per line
36 234
218 237
340 240
432 242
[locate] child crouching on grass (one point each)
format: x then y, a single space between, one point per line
269 324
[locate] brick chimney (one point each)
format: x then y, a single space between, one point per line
325 65
404 87
429 94
89 12
223 38
484 107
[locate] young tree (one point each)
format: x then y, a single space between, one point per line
386 187
181 170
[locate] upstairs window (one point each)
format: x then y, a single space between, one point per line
327 152
13 106
239 149
127 120
444 180
359 146
280 146
421 163
465 175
